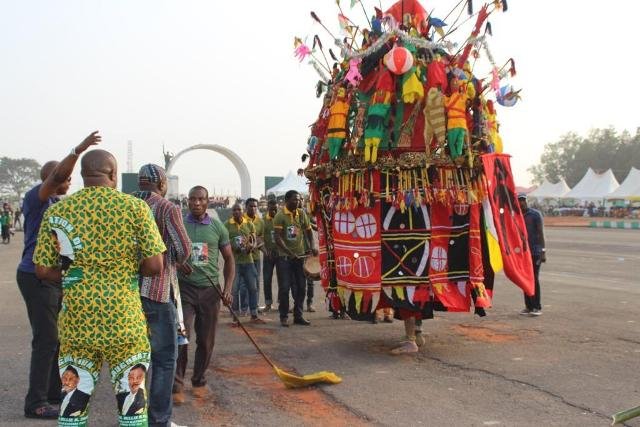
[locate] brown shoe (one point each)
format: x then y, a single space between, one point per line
178 398
200 392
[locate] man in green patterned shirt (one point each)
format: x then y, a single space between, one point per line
97 241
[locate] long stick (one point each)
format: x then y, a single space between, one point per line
315 17
365 11
233 314
623 416
316 39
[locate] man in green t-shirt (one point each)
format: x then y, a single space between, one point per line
292 227
242 235
200 302
270 253
251 214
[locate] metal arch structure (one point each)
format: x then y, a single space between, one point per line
243 171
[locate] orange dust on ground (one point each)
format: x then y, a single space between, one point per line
305 406
484 334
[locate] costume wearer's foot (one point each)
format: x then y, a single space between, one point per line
310 308
178 398
535 312
405 347
284 323
45 412
525 312
420 341
258 321
261 309
301 321
200 392
267 308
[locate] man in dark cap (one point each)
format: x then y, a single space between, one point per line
159 292
535 232
43 297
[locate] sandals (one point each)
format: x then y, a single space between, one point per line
406 347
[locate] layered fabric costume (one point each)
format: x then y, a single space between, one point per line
400 223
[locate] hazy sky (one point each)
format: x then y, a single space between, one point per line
189 72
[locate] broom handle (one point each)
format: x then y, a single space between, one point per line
233 314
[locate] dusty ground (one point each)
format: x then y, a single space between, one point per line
573 366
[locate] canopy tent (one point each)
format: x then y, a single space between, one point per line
550 191
291 182
594 186
630 187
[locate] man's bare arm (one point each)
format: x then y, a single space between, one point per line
63 171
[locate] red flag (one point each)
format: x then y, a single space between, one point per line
509 223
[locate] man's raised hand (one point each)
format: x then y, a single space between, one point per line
92 139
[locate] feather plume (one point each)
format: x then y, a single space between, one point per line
315 17
316 39
488 29
470 7
512 70
332 55
504 5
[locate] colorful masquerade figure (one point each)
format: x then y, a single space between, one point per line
378 115
456 107
412 230
337 128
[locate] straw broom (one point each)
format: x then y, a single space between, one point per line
289 380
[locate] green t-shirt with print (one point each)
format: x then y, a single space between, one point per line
293 224
269 236
258 223
207 238
239 235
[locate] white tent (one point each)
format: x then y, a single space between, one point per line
593 186
630 187
550 191
291 182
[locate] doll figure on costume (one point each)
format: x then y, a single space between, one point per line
492 127
337 127
456 107
378 115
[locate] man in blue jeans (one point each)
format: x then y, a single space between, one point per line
158 292
270 253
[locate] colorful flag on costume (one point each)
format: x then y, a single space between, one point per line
343 21
508 221
493 245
